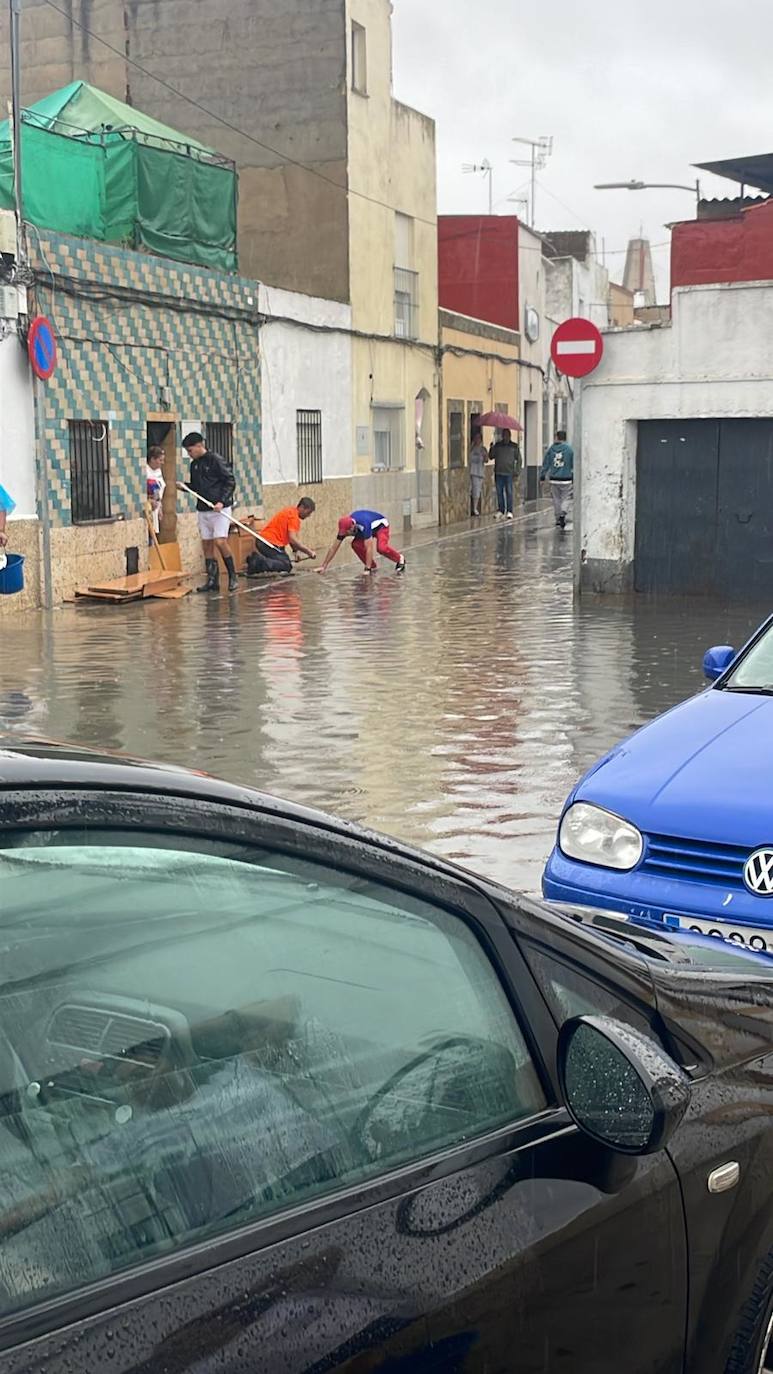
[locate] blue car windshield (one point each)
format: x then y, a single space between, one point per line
755 672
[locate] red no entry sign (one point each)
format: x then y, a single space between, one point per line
41 347
577 348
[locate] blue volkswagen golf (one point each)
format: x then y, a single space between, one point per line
675 825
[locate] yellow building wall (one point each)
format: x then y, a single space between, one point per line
478 384
392 170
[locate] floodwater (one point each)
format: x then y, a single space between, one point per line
453 707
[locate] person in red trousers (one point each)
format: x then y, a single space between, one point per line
369 532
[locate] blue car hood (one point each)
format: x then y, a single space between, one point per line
703 771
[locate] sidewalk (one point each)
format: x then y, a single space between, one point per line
438 534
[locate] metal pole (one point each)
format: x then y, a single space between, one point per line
38 403
577 493
533 185
491 190
44 494
16 119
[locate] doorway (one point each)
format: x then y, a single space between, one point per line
424 492
530 450
162 432
704 507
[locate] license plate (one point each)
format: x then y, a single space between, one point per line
752 937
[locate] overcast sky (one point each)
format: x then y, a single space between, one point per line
628 89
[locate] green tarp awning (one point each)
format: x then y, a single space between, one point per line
96 168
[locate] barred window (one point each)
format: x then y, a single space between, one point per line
220 439
89 471
308 425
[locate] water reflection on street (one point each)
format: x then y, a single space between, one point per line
454 707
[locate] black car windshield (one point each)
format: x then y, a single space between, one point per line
196 1034
755 672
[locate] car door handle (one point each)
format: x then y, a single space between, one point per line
723 1179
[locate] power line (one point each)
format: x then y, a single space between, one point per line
566 207
285 157
234 128
474 230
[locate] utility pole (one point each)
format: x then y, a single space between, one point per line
486 169
540 150
16 121
22 260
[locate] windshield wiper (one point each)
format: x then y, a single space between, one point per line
750 691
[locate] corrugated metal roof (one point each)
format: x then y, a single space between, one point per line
747 171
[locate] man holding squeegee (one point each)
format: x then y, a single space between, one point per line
213 483
281 531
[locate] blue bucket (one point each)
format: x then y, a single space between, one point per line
12 575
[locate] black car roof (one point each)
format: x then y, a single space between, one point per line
50 764
47 764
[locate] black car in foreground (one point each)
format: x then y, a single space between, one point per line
279 1096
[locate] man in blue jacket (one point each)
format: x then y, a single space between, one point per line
558 470
369 533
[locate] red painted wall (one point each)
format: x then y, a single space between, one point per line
725 250
478 267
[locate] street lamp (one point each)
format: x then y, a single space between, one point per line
694 190
487 170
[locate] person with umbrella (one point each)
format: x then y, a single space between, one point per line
506 457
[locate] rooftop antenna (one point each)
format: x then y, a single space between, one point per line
541 150
485 169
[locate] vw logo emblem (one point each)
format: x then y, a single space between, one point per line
758 874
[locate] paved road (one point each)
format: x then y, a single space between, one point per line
453 707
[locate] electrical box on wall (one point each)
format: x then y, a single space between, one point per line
9 303
8 232
363 441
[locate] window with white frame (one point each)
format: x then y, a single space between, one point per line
389 437
359 59
406 303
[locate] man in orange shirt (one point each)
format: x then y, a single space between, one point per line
281 531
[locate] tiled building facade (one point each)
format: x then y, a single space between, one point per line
140 340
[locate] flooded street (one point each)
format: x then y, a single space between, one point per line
453 708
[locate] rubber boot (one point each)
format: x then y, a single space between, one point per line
233 581
212 583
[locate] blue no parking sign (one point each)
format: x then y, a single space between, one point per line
41 347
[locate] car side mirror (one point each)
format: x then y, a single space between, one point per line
620 1087
717 661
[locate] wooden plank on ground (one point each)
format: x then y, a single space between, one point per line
86 594
176 594
136 584
171 556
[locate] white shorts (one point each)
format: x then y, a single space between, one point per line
214 524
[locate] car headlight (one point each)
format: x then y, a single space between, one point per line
598 837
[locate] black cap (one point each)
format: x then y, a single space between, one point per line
191 439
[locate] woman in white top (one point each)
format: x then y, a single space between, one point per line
156 484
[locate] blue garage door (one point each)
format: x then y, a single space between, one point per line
704 507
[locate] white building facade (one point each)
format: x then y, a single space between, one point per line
677 450
307 401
